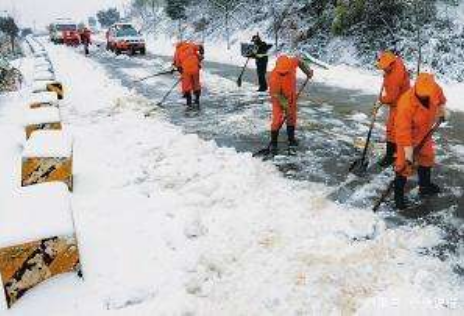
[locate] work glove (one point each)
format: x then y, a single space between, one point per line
409 154
409 157
310 73
180 69
408 169
173 70
442 119
377 107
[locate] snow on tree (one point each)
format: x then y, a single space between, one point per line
108 17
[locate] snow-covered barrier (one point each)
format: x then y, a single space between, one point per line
44 118
37 239
42 62
44 76
44 67
49 86
45 98
47 157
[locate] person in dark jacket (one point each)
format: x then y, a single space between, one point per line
261 56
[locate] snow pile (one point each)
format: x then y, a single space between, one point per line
48 143
41 116
42 97
35 212
41 86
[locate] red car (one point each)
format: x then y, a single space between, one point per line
71 37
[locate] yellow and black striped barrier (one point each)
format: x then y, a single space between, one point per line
56 87
24 266
43 126
45 169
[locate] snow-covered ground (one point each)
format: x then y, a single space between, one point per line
169 224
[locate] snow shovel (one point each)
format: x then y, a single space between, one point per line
266 151
154 75
359 166
160 103
239 80
387 192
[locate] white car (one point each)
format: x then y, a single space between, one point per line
124 37
58 29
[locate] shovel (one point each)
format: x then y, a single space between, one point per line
359 166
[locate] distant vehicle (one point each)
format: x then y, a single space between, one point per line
123 37
64 31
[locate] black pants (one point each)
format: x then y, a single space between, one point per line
261 67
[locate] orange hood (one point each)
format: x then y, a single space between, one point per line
385 60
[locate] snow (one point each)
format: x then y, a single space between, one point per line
170 224
43 68
42 97
44 76
48 143
41 86
42 115
35 212
42 61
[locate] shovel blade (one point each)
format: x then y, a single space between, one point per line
359 167
262 152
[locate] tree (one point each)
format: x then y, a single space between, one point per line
149 11
9 27
26 31
227 9
175 9
280 12
108 17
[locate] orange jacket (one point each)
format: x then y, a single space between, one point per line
395 83
188 57
282 79
282 88
414 120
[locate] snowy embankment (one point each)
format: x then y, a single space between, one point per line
169 224
343 76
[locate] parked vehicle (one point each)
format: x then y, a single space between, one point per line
64 31
123 37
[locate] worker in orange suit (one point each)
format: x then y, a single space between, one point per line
395 83
187 60
85 36
283 92
418 110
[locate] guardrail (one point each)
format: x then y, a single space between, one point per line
44 249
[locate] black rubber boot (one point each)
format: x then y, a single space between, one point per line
389 158
188 97
274 142
292 142
400 201
426 187
197 99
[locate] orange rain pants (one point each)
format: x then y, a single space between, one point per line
414 121
188 58
395 83
282 87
